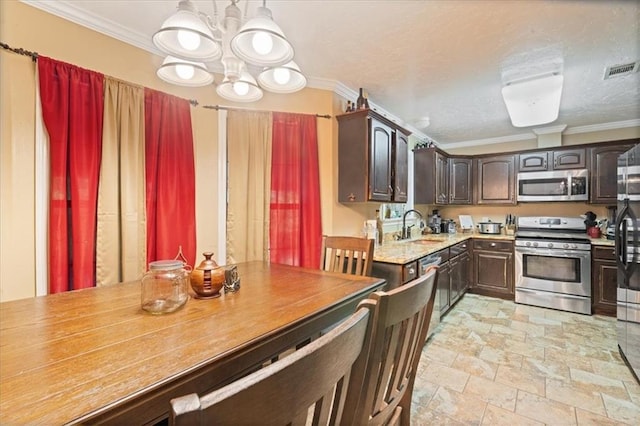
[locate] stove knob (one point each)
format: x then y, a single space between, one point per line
550 245
565 245
528 244
574 246
535 244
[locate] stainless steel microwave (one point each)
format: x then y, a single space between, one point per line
557 185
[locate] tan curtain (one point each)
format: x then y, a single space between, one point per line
121 229
249 174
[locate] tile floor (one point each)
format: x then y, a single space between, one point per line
494 362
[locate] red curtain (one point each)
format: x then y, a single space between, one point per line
72 104
295 232
170 177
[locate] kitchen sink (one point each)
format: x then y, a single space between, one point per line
427 241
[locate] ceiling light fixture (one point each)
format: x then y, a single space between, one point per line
533 101
188 73
192 38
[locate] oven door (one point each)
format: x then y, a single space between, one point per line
558 271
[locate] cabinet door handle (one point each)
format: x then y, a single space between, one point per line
412 271
492 244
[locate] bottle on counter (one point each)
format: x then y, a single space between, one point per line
378 228
451 227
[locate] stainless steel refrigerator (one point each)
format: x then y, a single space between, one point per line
627 238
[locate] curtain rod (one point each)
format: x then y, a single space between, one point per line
228 108
20 51
193 102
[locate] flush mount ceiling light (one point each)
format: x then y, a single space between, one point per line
533 101
192 38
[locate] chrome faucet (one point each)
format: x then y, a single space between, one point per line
406 231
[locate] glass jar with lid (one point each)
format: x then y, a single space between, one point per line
165 287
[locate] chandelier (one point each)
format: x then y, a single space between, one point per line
191 39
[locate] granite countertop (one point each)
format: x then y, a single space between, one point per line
602 241
405 251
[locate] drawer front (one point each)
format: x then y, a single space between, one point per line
459 248
495 245
409 272
604 253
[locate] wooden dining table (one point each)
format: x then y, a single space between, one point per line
94 356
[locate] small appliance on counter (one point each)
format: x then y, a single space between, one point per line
435 222
610 233
489 227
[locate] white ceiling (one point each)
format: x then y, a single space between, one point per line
443 59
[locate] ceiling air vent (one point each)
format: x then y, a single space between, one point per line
620 70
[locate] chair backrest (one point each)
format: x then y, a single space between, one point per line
351 255
400 323
301 386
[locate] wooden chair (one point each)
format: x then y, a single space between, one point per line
290 391
400 323
351 255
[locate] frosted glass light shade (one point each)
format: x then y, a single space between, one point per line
534 101
177 71
284 79
184 35
261 42
246 89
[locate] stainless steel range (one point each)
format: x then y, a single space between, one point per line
553 263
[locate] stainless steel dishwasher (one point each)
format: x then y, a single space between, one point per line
424 264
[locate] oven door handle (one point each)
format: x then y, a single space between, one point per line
541 251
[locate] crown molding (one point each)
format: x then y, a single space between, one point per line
549 130
74 14
491 141
613 125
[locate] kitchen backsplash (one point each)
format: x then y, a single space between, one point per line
499 213
391 214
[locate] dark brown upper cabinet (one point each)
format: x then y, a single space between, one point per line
400 169
440 179
604 179
460 180
372 158
430 176
496 180
553 160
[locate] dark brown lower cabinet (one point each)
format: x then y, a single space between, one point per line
493 268
444 288
453 276
604 276
459 267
